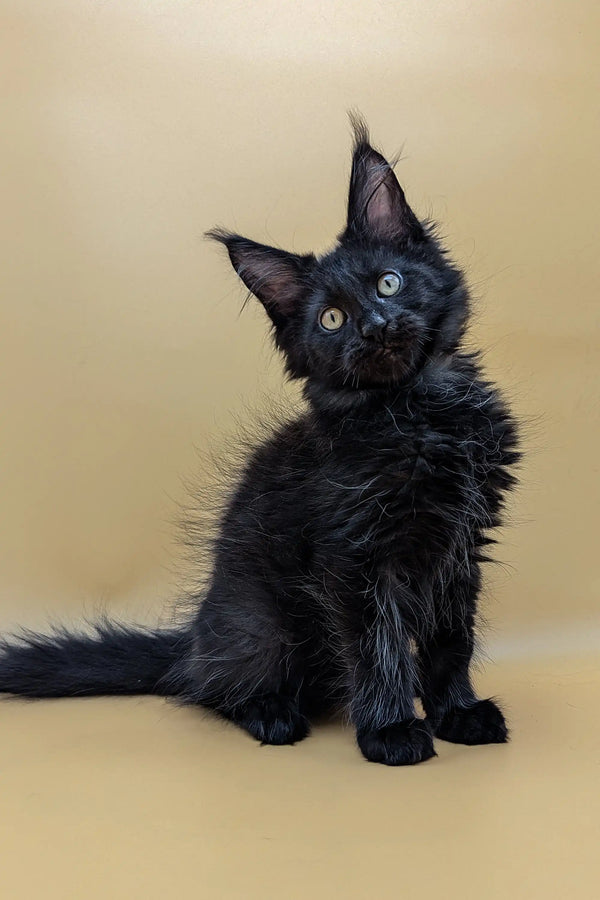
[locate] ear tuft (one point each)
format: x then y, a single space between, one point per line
360 129
275 277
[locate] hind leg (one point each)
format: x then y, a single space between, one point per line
246 665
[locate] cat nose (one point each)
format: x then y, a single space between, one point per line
373 326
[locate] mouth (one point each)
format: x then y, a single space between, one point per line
388 351
392 361
398 356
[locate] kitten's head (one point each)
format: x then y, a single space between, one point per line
378 307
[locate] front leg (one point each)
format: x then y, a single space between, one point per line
383 679
452 707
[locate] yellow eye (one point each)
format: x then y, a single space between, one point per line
332 318
389 284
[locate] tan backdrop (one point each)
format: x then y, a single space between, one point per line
129 127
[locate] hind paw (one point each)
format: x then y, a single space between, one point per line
272 719
482 723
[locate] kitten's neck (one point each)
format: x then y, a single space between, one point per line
341 401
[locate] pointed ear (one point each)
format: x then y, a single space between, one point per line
277 278
377 207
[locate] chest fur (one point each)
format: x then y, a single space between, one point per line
421 477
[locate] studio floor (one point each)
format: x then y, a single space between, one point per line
127 798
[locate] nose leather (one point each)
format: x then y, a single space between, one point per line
373 326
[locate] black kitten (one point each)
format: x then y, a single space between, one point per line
347 566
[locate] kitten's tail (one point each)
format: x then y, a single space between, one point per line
112 659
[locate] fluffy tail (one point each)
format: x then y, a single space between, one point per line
113 659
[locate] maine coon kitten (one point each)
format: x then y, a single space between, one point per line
347 565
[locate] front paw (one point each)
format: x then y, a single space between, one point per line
482 723
401 744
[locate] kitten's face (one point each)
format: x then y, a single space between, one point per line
371 315
373 311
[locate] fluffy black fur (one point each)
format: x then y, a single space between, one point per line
347 565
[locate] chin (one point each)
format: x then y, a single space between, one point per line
387 367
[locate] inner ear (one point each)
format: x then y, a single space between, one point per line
377 207
276 278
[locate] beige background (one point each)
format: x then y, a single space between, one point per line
128 128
